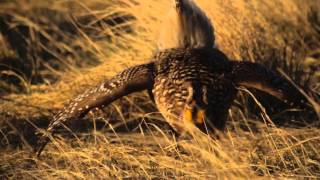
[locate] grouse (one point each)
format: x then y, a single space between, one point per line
191 83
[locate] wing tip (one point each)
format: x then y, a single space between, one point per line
41 144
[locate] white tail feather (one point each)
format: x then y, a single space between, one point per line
186 26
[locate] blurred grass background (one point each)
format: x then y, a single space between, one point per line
52 50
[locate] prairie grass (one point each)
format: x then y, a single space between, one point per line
52 50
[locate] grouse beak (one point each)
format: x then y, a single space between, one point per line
194 114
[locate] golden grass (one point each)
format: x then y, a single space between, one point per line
252 146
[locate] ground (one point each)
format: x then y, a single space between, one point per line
51 51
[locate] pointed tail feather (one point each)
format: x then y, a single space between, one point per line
188 26
196 28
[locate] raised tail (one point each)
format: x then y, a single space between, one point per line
187 26
253 75
133 79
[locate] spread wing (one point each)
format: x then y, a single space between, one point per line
133 79
256 76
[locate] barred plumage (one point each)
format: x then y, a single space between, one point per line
130 80
189 83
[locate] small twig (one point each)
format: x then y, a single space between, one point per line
20 135
315 105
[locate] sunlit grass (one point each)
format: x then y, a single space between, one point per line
72 45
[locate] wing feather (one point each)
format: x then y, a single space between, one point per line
131 80
257 76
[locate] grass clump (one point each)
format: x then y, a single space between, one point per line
52 50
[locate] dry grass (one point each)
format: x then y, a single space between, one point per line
62 47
